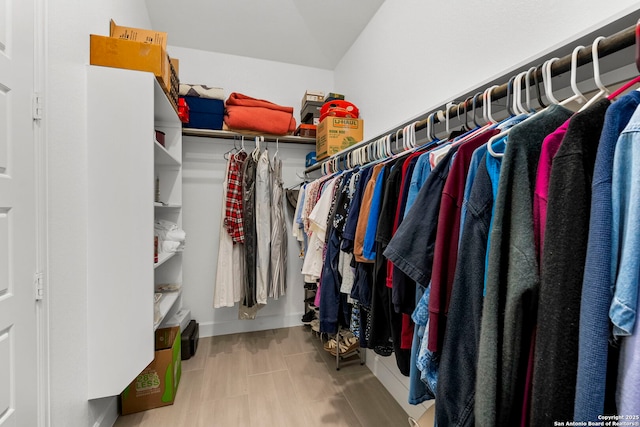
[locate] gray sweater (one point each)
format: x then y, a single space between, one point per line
513 280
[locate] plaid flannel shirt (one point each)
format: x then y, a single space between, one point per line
233 212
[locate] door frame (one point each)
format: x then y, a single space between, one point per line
40 50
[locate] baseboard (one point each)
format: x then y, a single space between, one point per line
210 329
385 369
104 411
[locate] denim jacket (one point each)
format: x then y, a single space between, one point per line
626 228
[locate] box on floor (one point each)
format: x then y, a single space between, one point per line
157 384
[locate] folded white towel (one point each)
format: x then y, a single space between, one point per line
202 91
169 246
176 235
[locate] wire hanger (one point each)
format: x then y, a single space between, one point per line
234 148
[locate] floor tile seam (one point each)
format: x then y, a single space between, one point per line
353 409
298 354
267 372
297 396
356 412
220 398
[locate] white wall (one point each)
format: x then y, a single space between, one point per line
203 170
415 56
203 173
281 83
69 25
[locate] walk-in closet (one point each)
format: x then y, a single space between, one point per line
366 214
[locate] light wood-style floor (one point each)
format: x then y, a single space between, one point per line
275 378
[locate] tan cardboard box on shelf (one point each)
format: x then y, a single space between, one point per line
334 134
120 53
138 35
157 384
312 96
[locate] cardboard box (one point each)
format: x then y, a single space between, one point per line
157 384
310 111
337 133
138 35
312 96
119 53
331 96
306 131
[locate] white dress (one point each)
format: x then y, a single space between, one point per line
229 274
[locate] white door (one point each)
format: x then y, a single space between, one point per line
18 359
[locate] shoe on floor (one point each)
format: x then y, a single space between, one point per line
308 317
315 325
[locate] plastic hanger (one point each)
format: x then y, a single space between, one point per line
414 139
397 140
546 79
509 94
518 107
234 148
577 95
473 109
596 75
487 103
467 107
538 92
430 137
446 117
277 149
637 79
527 82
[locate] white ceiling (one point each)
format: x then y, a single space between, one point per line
315 33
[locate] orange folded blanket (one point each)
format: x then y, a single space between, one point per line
245 113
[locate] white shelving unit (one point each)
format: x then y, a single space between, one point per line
124 108
168 171
168 301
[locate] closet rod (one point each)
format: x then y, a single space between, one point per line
607 46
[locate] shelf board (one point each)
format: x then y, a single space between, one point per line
166 302
163 257
163 157
164 111
166 206
225 134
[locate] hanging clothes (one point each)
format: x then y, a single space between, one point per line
458 364
512 275
263 226
250 243
562 270
595 387
278 261
228 288
626 246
